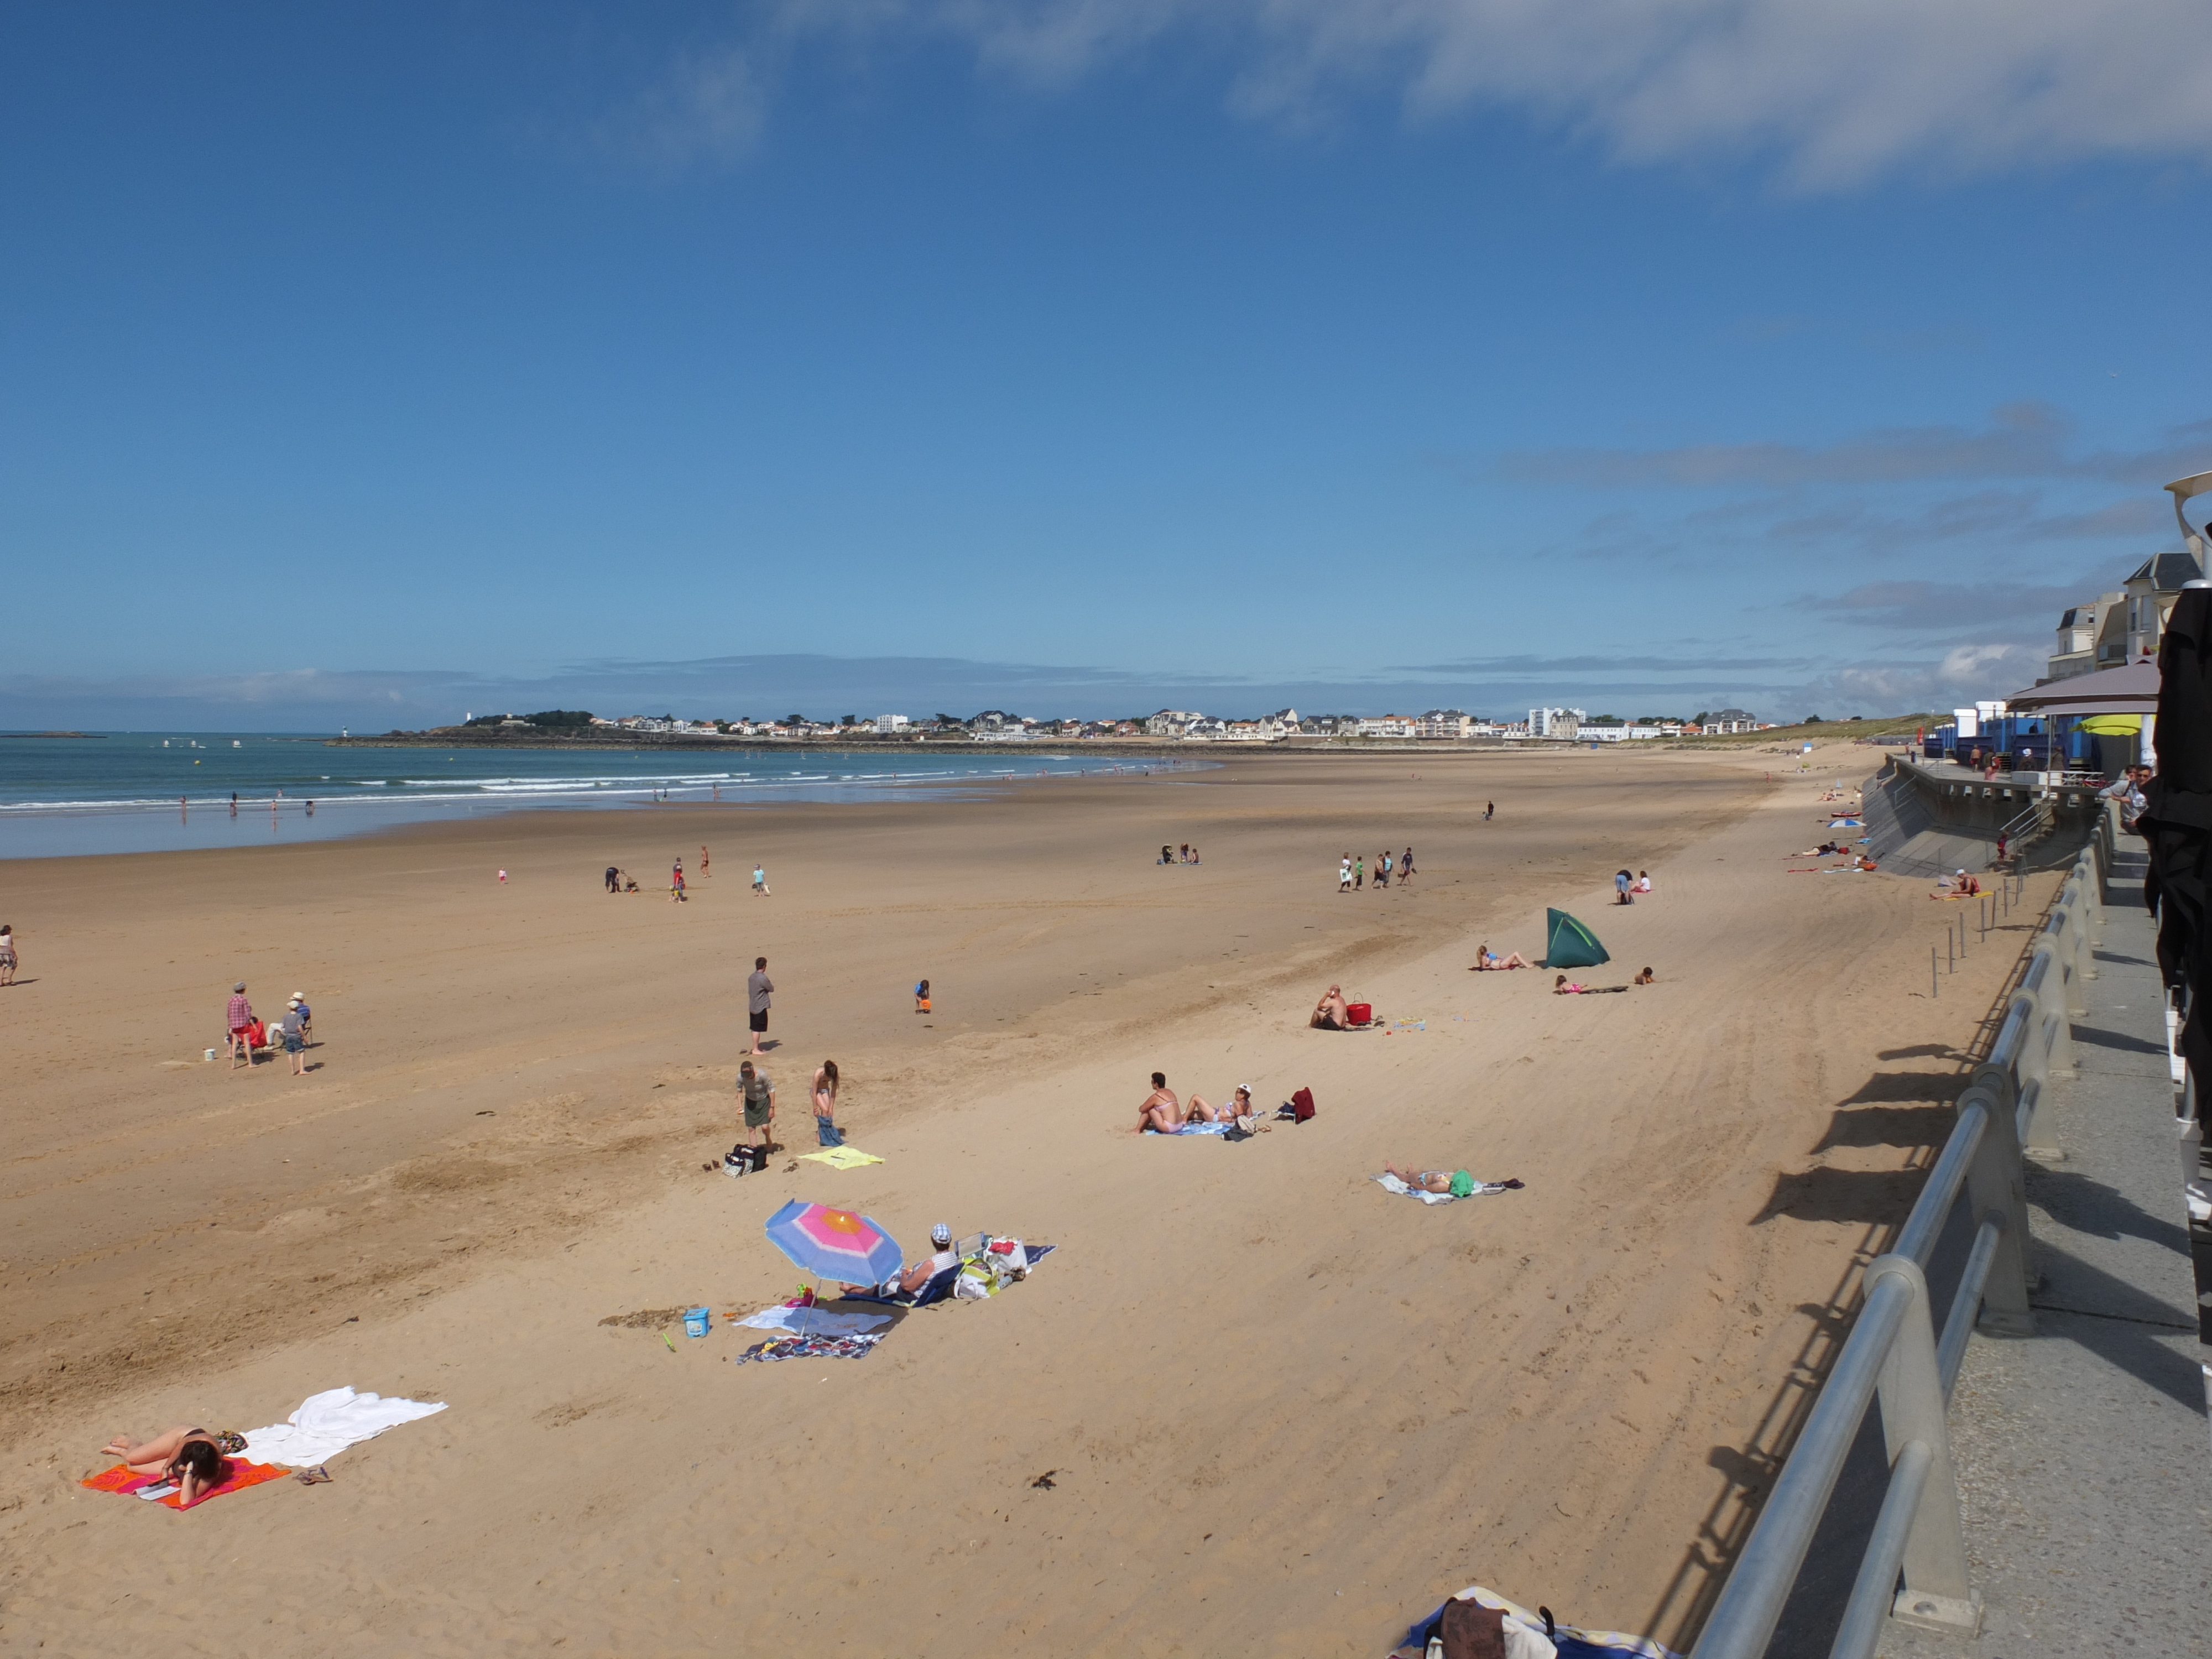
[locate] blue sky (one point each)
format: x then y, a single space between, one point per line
363 365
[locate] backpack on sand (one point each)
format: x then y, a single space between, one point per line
1299 1107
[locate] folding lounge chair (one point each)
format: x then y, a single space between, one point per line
936 1288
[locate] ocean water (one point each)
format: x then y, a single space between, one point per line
129 792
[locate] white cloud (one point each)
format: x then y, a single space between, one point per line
1838 92
710 107
1830 92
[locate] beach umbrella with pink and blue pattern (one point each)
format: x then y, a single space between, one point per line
835 1244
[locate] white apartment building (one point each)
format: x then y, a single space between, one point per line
887 724
1170 722
1556 722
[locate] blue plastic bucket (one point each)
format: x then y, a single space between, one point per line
695 1322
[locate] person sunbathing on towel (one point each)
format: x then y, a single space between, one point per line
1458 1182
1237 1111
1161 1110
1561 987
909 1280
195 1460
1332 1012
1486 963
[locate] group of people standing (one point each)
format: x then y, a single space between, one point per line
1351 872
249 1032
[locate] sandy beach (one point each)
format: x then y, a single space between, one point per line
1283 1411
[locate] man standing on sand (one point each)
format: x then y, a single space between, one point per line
759 1094
757 989
240 1016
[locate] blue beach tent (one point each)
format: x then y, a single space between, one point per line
1572 945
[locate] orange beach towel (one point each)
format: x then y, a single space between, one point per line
242 1475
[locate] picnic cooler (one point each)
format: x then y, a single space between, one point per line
1360 1013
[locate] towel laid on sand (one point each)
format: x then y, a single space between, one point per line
811 1347
327 1423
1194 1129
1391 1183
814 1322
121 1480
841 1157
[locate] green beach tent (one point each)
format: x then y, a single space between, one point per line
1572 946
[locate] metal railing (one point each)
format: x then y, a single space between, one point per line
1896 1355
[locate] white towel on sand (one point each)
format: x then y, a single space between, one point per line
327 1423
815 1321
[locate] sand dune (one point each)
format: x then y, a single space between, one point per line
1283 1410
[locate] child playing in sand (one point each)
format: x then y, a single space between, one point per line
921 996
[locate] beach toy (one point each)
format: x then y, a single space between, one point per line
672 1346
209 1055
695 1321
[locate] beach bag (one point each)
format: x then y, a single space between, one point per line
1301 1105
973 1285
1360 1013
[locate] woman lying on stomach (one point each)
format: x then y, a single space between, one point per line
193 1458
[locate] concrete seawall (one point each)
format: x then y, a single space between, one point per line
1925 820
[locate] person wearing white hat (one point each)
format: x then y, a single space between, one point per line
907 1282
1239 1109
295 1040
307 1015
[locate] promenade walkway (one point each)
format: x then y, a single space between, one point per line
2083 1451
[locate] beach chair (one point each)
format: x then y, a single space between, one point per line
935 1288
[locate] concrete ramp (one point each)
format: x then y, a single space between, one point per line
1905 838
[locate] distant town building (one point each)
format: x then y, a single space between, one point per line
1556 722
1726 720
887 724
1170 722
